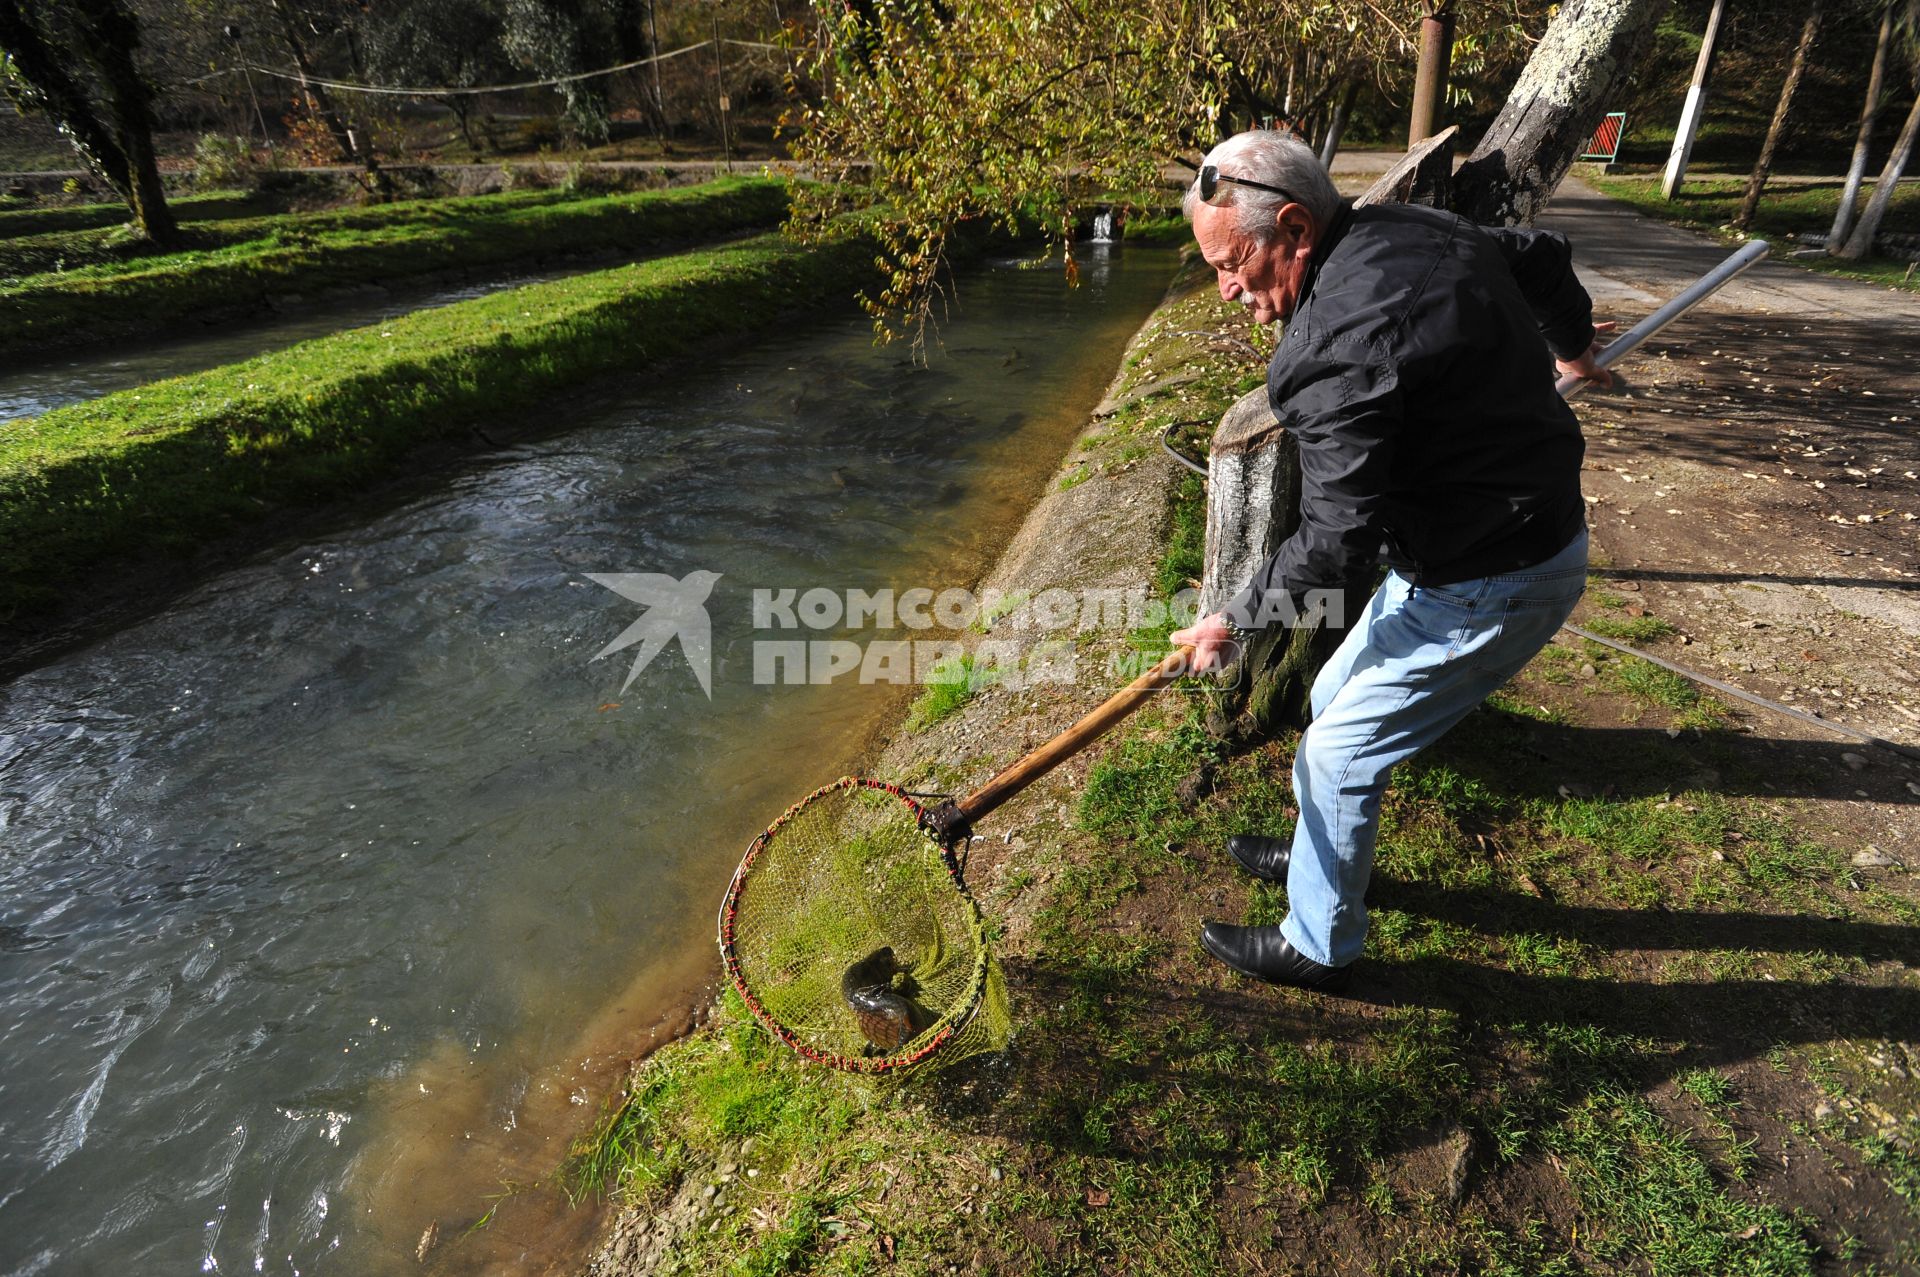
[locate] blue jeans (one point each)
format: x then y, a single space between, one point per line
1417 663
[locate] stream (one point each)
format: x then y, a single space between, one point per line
336 894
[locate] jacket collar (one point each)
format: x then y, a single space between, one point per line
1323 249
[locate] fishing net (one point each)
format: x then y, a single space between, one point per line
850 934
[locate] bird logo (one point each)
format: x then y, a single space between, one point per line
675 608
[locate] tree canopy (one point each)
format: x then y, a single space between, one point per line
1000 110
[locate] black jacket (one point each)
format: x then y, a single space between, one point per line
1415 374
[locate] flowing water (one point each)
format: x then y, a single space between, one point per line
53 381
333 896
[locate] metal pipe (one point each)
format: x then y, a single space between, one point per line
1698 291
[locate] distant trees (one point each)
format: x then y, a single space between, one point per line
1900 25
75 60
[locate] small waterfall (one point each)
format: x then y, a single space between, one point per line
1103 226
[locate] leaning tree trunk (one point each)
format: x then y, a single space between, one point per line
114 138
1253 506
318 100
1562 94
1757 182
111 34
1860 243
1330 145
1863 140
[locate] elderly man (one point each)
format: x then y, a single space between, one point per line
1415 374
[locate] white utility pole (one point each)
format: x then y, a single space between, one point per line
1696 106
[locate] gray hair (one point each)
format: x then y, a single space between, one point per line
1278 159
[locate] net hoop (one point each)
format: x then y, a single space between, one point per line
930 1040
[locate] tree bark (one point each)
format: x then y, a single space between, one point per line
113 137
1562 94
1695 107
1863 140
1330 145
1860 243
1757 181
318 100
1430 80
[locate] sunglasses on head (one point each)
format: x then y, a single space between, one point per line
1211 177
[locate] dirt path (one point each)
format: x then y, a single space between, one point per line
1758 490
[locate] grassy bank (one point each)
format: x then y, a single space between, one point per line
1620 1011
1786 211
20 222
170 466
233 266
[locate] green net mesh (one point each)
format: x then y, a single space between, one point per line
849 937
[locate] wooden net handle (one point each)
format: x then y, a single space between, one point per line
1076 738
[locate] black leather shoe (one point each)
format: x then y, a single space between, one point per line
1264 954
1263 857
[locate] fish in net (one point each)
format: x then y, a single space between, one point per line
850 934
848 929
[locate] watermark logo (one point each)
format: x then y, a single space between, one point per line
676 608
819 635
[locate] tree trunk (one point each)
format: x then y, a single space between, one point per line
1330 145
114 138
1764 165
1876 80
111 34
1860 243
1695 107
1430 80
318 100
1562 94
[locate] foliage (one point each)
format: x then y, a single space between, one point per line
221 160
993 110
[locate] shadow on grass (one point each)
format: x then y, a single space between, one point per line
1521 758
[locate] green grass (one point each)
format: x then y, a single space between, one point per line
1657 1199
237 265
1784 210
1629 629
172 465
950 685
208 206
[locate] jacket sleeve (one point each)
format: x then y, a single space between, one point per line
1542 264
1342 403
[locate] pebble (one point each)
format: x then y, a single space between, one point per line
1588 671
995 1175
730 1168
1873 858
709 1191
1855 762
1822 1111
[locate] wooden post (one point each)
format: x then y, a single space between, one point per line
1696 105
1430 81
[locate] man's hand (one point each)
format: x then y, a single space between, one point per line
1584 367
1212 642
